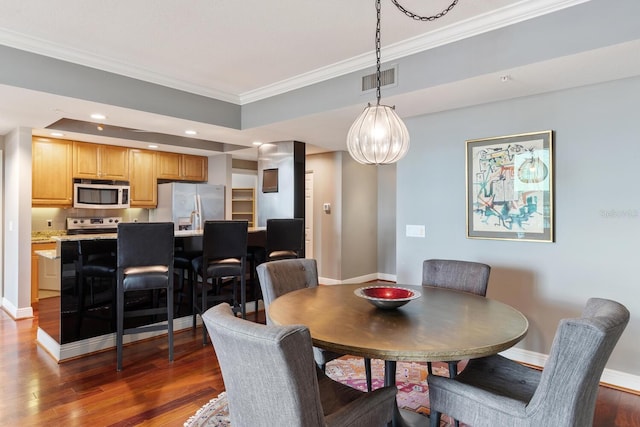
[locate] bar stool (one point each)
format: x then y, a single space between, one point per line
145 263
285 238
224 254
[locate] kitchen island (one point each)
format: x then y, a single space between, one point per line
82 320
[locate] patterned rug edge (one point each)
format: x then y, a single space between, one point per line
410 378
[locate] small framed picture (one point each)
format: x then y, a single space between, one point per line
510 187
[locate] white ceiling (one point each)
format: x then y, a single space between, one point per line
243 51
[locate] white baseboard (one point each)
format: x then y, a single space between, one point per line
359 279
15 312
609 376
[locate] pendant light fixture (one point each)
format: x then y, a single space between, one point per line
379 136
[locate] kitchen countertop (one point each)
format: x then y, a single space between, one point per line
48 253
179 233
47 236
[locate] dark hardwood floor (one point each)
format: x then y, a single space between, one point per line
36 391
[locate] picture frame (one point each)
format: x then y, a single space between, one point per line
270 180
509 183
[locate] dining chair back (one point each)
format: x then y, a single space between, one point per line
280 277
145 263
285 238
494 390
224 254
472 277
271 380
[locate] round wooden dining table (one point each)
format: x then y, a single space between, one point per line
440 325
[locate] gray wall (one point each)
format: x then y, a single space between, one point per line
45 74
597 207
345 239
387 221
359 218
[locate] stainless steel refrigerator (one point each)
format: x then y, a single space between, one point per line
188 205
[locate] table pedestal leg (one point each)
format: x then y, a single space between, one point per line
401 418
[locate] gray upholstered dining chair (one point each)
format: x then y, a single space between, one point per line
495 391
280 277
271 379
467 276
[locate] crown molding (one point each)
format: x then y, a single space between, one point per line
44 47
508 15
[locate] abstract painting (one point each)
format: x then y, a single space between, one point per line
510 187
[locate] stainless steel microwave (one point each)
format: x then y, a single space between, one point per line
101 195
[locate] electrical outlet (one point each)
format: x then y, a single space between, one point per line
49 223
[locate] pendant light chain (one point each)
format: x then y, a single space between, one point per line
424 18
379 136
378 44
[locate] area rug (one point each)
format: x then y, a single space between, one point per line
411 380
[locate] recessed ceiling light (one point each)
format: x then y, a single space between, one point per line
98 116
153 146
257 143
190 132
58 134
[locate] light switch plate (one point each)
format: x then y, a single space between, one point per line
415 231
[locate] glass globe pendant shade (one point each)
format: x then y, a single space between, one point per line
378 136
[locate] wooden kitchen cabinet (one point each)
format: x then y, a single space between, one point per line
182 167
143 178
194 168
168 165
98 161
51 172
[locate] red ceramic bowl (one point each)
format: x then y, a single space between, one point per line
387 297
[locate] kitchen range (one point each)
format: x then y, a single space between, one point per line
94 225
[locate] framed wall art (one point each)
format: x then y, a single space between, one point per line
510 187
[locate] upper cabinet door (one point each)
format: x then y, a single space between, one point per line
114 162
52 184
194 168
168 165
182 167
142 179
97 161
85 160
